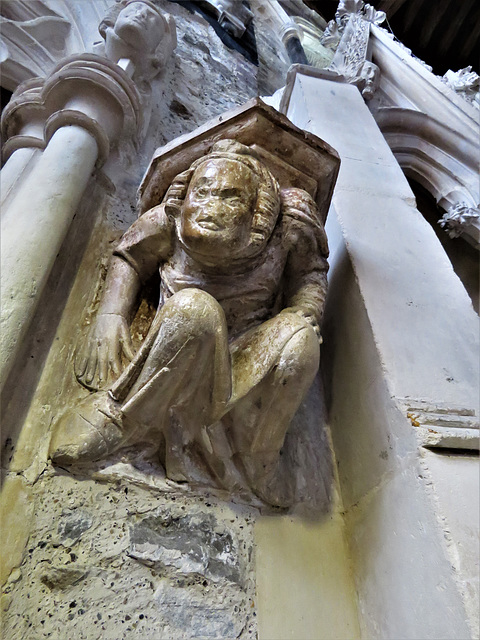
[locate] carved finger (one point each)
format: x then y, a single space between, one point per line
91 366
102 364
116 357
80 363
127 344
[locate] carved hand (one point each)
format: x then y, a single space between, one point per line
306 314
101 355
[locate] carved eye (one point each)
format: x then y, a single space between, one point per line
201 192
231 194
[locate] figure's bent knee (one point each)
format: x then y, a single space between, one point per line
301 354
197 309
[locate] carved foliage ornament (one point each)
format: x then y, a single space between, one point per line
350 59
457 218
346 9
466 83
234 345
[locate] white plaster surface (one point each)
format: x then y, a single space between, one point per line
407 588
456 481
405 82
404 577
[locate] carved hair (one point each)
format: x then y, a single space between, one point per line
267 205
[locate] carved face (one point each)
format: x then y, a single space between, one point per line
218 210
140 26
370 75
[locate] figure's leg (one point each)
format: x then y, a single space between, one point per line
259 419
189 355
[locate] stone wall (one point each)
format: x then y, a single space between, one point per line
111 558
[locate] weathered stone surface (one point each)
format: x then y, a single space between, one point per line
126 562
190 545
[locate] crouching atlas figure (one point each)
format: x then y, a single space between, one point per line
234 345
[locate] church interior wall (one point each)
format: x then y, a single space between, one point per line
394 527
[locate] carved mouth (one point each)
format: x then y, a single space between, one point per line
209 223
139 21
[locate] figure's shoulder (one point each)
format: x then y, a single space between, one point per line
154 217
300 218
154 222
150 236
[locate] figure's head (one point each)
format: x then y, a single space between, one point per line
226 204
139 31
370 76
141 25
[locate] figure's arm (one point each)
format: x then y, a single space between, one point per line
142 248
307 266
306 288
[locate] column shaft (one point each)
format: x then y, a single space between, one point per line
13 172
33 231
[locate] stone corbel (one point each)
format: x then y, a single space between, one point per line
139 38
278 173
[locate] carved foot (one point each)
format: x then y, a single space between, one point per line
89 432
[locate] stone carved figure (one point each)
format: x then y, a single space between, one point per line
368 80
138 31
234 345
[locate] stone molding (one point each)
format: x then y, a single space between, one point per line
36 37
87 90
443 426
441 159
406 82
23 118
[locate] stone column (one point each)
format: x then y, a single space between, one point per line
91 104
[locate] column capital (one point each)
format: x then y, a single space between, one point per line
85 90
95 93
